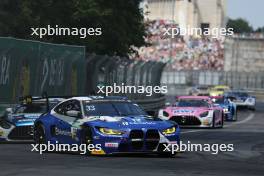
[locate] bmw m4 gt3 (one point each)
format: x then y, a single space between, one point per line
117 124
194 111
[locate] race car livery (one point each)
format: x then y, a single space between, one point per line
194 111
117 124
218 90
17 123
229 108
242 99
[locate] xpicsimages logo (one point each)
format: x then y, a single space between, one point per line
131 89
65 31
174 32
58 147
196 147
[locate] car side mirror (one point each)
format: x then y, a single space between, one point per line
74 113
9 110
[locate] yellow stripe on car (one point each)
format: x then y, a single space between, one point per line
97 152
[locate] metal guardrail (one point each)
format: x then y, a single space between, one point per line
237 80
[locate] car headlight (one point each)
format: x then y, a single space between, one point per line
225 110
204 114
4 124
1 132
169 130
165 114
109 131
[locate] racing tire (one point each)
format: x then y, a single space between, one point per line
235 116
39 134
213 122
87 137
252 108
222 121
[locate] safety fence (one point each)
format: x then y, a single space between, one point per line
105 70
237 80
32 67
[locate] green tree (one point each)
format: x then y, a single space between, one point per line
121 22
260 29
239 25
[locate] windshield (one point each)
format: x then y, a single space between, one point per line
192 103
112 109
202 88
219 89
32 108
241 94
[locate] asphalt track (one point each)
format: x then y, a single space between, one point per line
247 135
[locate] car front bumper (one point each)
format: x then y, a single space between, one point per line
193 121
135 143
16 134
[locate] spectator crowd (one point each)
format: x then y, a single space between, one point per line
181 52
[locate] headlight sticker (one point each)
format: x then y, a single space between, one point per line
169 130
109 131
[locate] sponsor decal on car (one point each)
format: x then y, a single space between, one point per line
183 111
62 132
111 145
138 123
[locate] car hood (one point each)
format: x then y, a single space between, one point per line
23 119
131 122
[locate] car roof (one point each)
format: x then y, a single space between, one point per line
91 98
202 87
194 97
221 86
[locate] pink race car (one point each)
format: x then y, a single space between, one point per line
194 111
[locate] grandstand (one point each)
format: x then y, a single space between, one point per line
192 53
192 13
184 52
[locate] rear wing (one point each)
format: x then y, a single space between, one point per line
29 99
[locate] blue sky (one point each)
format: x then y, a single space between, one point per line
251 10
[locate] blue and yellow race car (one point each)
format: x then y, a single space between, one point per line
242 99
116 124
229 108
